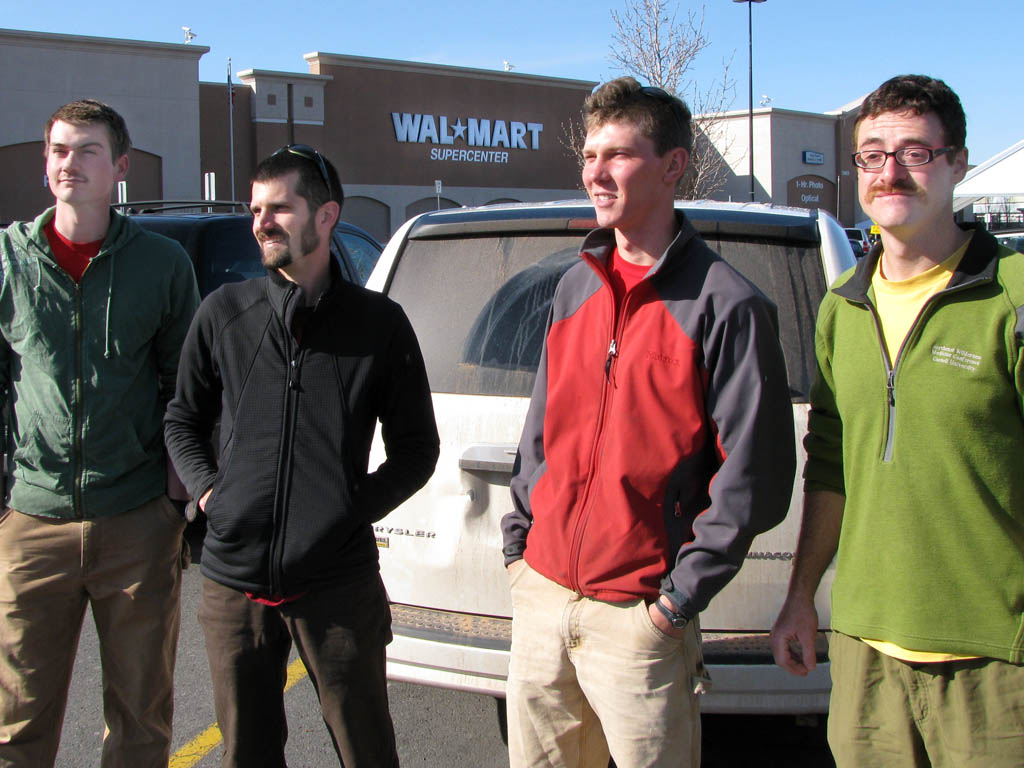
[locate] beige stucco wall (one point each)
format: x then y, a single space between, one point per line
732 138
793 133
155 86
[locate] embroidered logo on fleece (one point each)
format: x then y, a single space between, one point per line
660 357
955 357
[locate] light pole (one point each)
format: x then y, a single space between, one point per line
750 73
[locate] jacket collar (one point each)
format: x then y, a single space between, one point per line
285 296
977 266
599 244
121 230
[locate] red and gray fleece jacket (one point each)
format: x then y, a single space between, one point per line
659 443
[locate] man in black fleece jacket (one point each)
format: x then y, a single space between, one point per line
299 366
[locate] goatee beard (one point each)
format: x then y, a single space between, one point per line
309 241
282 259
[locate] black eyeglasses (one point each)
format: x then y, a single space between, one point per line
308 153
908 157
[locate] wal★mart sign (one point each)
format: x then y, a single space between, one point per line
489 135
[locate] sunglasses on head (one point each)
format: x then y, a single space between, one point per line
657 93
308 153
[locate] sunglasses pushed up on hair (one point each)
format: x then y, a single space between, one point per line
307 152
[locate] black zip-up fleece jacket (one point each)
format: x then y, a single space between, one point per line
293 502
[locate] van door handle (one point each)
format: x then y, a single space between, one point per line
489 457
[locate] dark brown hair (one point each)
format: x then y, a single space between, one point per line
919 95
91 111
311 186
660 116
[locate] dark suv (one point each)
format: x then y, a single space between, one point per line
218 238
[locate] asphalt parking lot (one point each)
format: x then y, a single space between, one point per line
435 728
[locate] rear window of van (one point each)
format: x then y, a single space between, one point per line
479 304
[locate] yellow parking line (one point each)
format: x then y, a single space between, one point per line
296 671
191 753
197 749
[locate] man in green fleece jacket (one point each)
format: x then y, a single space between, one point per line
93 312
915 478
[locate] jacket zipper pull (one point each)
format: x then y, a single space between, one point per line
891 387
613 352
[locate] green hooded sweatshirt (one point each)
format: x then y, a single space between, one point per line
87 369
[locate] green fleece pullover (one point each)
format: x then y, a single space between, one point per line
929 452
88 368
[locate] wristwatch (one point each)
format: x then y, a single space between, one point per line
677 620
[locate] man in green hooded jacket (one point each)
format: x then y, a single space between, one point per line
93 312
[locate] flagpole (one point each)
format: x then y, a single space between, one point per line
231 130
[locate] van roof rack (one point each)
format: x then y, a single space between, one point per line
196 206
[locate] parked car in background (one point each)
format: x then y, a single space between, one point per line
1013 240
477 284
218 238
859 239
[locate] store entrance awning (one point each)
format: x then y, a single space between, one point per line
999 176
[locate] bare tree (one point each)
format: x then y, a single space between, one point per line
572 137
653 45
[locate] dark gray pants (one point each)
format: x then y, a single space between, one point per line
340 632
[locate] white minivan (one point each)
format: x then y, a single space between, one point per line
476 284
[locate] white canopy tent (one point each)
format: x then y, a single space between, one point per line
1000 176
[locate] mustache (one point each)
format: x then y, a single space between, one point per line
263 234
899 185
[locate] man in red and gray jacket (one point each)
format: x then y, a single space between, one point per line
649 460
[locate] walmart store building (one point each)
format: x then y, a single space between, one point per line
406 137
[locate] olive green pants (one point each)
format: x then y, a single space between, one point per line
887 713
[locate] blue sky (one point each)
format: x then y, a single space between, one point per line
812 55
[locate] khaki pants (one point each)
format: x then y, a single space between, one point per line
128 568
588 678
886 713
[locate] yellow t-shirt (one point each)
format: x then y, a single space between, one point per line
899 302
